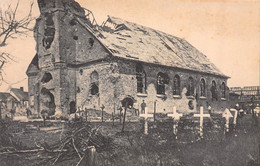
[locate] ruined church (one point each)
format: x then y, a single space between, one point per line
80 64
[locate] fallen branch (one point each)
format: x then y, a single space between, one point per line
73 143
32 150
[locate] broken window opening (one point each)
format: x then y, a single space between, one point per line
78 90
91 42
141 79
202 88
50 102
128 102
213 90
162 79
48 19
72 107
94 77
49 31
190 90
94 89
223 90
73 22
75 37
46 77
191 105
81 71
176 85
47 42
94 82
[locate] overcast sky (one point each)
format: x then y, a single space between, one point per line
227 32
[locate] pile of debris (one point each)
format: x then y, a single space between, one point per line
74 144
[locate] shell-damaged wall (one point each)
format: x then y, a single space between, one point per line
165 103
105 76
63 44
76 70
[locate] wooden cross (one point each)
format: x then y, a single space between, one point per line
235 115
146 115
227 115
176 117
201 116
257 111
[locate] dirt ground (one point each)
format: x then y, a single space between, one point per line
238 148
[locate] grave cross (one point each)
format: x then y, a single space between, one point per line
176 117
146 115
235 116
201 116
227 115
257 111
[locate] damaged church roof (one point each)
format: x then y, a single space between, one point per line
136 42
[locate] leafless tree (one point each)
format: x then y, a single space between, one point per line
10 28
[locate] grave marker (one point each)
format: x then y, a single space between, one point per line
146 115
89 159
201 116
120 114
102 112
176 117
113 119
227 115
235 116
257 111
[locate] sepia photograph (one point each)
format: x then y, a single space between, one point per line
129 82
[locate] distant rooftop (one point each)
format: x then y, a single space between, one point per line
23 96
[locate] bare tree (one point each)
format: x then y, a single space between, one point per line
10 28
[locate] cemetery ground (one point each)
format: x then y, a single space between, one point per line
63 143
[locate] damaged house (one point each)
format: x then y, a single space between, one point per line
82 65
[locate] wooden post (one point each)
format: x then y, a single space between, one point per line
120 114
44 115
154 111
89 159
102 113
44 119
124 117
86 114
0 111
114 108
113 119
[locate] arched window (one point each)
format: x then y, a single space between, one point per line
94 83
46 77
176 85
72 107
213 90
223 90
141 79
94 89
190 89
203 88
162 79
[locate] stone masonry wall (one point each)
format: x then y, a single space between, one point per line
107 76
128 80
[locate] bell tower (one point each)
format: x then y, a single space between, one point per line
55 87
